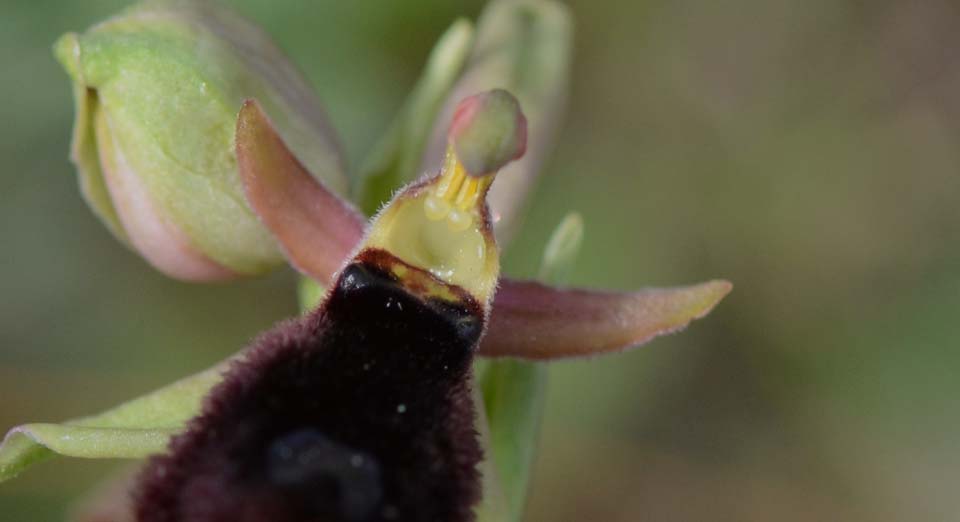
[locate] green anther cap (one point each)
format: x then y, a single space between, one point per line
488 131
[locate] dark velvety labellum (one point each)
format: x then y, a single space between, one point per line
358 412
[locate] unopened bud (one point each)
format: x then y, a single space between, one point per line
158 88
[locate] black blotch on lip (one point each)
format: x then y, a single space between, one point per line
340 481
359 412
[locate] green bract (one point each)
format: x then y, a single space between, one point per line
134 429
157 90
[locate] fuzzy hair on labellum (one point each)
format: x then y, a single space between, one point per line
360 411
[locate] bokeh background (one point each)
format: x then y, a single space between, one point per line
807 150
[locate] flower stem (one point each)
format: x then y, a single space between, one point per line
514 391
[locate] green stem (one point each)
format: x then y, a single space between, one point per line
514 391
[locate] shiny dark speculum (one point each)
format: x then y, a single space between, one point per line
360 411
342 482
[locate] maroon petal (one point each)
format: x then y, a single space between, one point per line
534 321
317 230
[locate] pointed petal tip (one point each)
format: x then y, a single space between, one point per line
710 294
688 304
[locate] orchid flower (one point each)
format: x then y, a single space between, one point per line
364 408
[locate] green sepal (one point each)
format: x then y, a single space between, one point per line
134 429
493 505
83 142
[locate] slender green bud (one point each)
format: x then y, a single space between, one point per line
157 89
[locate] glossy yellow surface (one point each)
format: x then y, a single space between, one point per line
440 227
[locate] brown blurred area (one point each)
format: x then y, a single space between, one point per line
807 150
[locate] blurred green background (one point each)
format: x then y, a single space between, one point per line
807 150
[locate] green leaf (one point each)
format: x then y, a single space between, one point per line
134 429
514 391
562 250
396 158
493 506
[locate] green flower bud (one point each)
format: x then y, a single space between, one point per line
158 88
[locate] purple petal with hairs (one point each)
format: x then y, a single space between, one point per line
534 321
316 229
